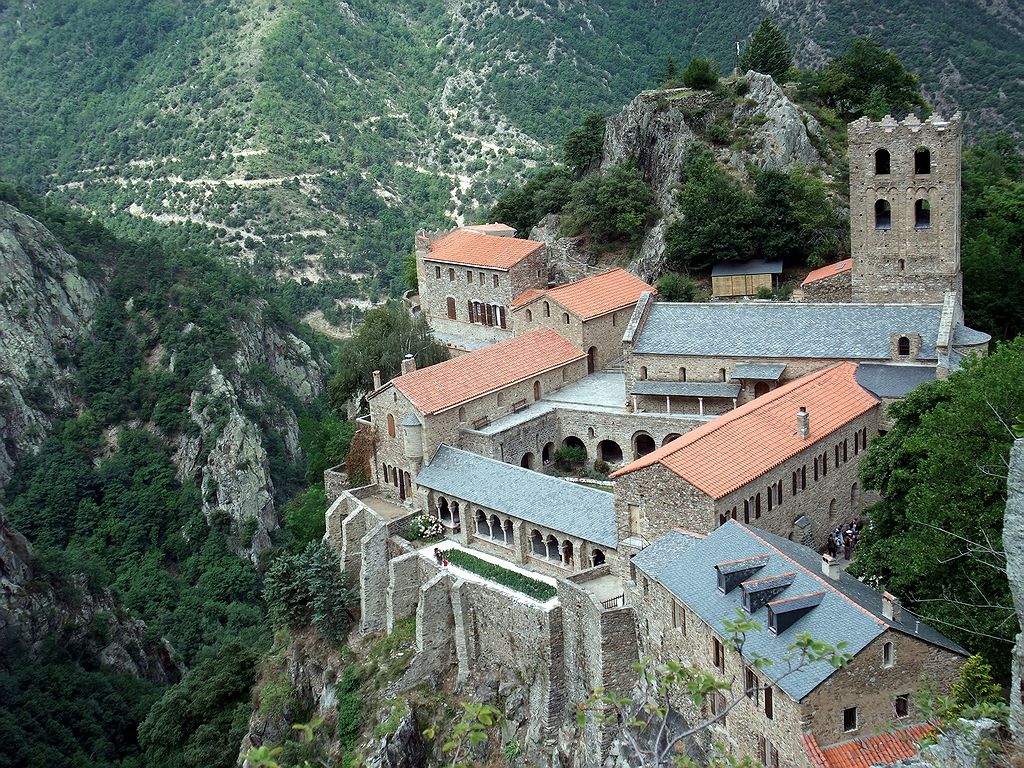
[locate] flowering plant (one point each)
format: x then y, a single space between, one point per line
425 527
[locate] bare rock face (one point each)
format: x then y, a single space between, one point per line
1013 543
786 139
569 258
35 609
45 302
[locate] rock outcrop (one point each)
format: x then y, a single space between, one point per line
1013 544
39 609
45 302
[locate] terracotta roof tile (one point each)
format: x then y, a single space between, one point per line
593 296
479 250
729 452
867 751
827 271
445 385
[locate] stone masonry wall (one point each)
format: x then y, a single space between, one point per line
1013 543
905 263
833 289
604 332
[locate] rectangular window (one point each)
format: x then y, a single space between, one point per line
751 684
718 704
495 278
815 470
769 703
718 654
844 449
679 618
451 275
850 719
437 272
773 755
481 276
794 484
901 705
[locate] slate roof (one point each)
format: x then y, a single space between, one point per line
686 388
828 270
849 610
745 443
892 380
762 371
752 267
868 751
969 337
592 296
785 330
492 227
522 493
476 249
445 385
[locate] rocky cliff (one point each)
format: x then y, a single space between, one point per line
38 608
1013 543
45 303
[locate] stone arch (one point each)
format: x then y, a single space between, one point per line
832 509
391 425
547 309
529 316
567 553
670 437
537 543
761 388
590 432
536 390
495 527
591 359
444 513
597 557
456 519
609 451
547 452
527 460
551 546
643 444
922 160
883 214
574 442
903 346
482 528
507 529
922 213
565 318
883 162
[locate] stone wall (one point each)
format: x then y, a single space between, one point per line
832 289
603 333
335 482
905 263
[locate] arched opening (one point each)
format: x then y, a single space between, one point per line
545 454
643 444
882 162
391 425
670 437
832 509
590 432
451 308
761 388
408 483
462 415
565 318
443 512
682 374
529 316
591 359
456 519
597 557
883 214
609 451
643 373
901 264
854 497
496 529
888 655
547 309
567 559
574 442
508 532
536 391
482 529
551 545
537 543
922 160
527 460
903 346
922 214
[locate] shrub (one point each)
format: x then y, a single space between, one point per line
675 287
538 590
425 527
309 588
701 74
570 457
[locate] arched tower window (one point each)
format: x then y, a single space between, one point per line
529 316
922 214
462 415
682 374
883 214
391 425
547 309
903 346
882 162
565 318
536 391
643 373
901 264
922 160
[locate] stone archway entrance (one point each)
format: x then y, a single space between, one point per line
591 359
643 444
609 451
527 461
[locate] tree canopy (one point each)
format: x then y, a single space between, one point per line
935 535
582 146
867 79
768 51
701 74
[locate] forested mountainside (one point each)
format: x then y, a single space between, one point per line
313 136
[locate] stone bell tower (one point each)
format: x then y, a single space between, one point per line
905 209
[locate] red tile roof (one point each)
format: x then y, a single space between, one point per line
827 271
868 751
476 249
456 381
729 452
592 296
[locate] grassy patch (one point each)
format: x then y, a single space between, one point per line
538 590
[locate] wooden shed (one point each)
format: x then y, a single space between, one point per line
730 279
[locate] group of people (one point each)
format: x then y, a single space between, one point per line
843 540
440 557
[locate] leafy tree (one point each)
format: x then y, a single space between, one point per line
309 588
199 722
975 687
673 286
304 516
935 537
867 79
796 219
582 146
386 335
670 73
613 205
701 74
768 51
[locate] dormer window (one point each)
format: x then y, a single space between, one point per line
733 573
759 592
903 346
783 614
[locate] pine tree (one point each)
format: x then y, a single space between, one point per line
671 72
768 51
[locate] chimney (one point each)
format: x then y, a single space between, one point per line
891 608
830 567
803 423
376 380
408 364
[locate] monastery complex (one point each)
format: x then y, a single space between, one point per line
730 432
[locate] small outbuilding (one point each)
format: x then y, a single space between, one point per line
731 279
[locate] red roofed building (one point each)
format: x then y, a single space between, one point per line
785 462
420 409
591 313
832 282
871 750
467 279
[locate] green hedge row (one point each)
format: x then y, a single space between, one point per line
538 590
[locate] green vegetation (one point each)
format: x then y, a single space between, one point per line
581 148
953 580
673 286
768 51
538 590
309 589
701 74
570 457
615 205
